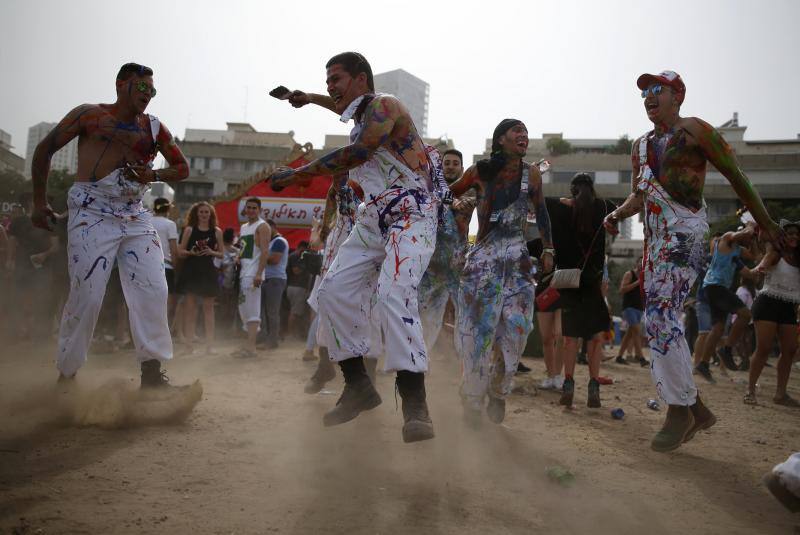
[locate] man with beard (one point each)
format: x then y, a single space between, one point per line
388 249
495 300
107 221
669 171
440 282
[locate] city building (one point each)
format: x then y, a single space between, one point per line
412 92
221 160
8 160
66 159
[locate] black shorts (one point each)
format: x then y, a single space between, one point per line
169 273
767 308
722 301
583 313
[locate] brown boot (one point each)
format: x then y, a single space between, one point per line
325 372
678 423
703 419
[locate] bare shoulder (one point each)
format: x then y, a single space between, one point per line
695 126
533 171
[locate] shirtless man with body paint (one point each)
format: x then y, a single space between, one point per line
495 298
107 220
388 249
669 171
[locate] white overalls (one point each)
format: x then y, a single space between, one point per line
384 256
495 304
675 250
107 221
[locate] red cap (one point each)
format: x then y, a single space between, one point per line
670 78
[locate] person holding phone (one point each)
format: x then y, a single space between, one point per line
389 248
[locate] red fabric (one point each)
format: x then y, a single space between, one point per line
228 216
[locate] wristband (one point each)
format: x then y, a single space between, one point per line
548 250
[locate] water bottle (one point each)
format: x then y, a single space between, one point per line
652 404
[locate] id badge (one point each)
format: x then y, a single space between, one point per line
531 218
494 217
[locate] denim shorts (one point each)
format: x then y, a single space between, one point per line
703 311
632 316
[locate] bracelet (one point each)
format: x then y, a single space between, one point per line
548 250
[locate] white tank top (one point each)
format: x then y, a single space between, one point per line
783 282
250 253
383 170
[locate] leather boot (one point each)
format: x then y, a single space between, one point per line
703 419
676 426
567 392
325 372
417 423
152 376
358 395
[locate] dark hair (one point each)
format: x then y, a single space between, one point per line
271 223
489 167
133 69
354 64
582 190
456 153
228 235
254 200
303 243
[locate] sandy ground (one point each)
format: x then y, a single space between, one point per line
254 458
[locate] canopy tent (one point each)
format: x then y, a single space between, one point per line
292 209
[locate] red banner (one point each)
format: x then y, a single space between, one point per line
292 209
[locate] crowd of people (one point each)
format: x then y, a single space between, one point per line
392 251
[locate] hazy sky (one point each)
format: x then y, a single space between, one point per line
559 66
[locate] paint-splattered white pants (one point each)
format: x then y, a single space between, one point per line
377 270
107 222
789 473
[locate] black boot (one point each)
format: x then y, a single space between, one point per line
593 400
325 372
359 395
417 423
567 392
372 367
152 375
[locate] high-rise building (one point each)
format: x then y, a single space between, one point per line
412 92
66 159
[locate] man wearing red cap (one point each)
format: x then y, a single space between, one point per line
669 171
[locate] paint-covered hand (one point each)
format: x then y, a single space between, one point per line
298 99
610 224
257 280
43 217
139 173
281 178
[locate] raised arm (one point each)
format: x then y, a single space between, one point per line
720 154
65 131
298 99
380 117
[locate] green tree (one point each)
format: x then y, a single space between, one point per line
12 184
558 146
623 146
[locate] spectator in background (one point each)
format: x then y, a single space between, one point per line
584 313
298 280
273 287
747 293
632 312
201 243
168 236
228 278
29 260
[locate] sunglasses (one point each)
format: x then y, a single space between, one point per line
143 87
654 90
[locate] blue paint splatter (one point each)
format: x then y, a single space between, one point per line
133 254
94 265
